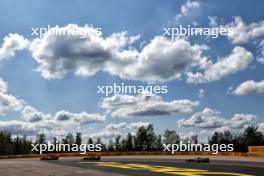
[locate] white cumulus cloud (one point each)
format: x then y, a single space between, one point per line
249 87
189 6
11 44
82 118
145 105
242 32
125 125
105 134
8 102
261 127
239 59
160 59
30 114
212 119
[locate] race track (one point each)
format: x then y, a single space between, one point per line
133 166
140 166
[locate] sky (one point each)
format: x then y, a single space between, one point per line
50 84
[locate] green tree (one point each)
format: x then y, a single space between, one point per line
6 143
215 138
145 138
41 138
225 137
99 141
78 139
123 145
151 138
18 147
129 142
141 137
252 136
159 145
110 147
69 139
194 139
90 141
171 137
54 140
117 143
26 145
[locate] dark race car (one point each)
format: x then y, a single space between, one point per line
199 160
49 158
92 158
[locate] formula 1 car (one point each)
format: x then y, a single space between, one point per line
49 158
199 160
92 158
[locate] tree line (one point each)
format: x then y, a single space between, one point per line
145 139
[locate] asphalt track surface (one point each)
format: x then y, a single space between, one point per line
148 166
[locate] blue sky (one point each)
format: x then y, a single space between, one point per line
34 102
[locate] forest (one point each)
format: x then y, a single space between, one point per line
145 139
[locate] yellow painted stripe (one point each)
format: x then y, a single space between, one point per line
166 170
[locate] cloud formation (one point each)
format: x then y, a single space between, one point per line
189 6
242 32
58 55
159 60
105 134
249 87
239 59
30 114
145 105
260 59
17 127
82 118
212 119
261 127
125 125
35 121
8 102
112 130
187 9
12 43
201 93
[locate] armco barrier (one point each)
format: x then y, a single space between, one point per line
131 154
258 149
